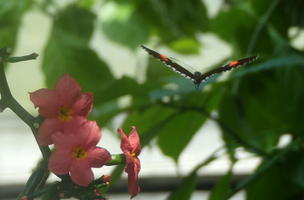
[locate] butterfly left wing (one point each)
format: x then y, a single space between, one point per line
170 63
227 67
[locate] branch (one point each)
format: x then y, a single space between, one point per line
32 56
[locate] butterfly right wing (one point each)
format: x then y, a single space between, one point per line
170 63
227 67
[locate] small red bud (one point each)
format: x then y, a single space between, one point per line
107 179
61 195
24 198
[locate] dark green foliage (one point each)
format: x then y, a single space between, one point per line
256 104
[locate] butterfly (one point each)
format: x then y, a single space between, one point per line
198 77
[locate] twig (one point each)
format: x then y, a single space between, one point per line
32 56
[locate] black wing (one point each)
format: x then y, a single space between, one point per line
170 63
227 67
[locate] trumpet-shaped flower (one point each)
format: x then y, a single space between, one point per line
62 105
77 153
131 148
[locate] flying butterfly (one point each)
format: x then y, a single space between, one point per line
198 77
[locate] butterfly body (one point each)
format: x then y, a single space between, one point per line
198 77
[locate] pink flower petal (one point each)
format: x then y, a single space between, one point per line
133 186
84 104
60 162
47 128
47 101
125 144
51 125
67 89
135 141
81 173
64 142
98 157
89 133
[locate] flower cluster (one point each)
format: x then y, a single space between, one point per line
65 109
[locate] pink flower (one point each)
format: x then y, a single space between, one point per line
61 105
131 149
77 153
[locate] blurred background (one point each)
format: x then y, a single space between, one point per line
238 137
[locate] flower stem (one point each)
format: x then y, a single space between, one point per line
7 100
116 159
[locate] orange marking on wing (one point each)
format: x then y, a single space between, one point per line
234 63
163 57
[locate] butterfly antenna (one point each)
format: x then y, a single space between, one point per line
175 59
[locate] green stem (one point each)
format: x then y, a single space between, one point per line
116 159
8 101
34 181
260 25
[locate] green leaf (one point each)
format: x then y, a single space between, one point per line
220 191
186 46
121 24
238 33
176 134
266 106
148 121
67 51
11 13
280 181
185 188
188 183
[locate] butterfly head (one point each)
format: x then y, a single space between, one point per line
197 79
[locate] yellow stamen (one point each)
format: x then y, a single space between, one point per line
65 113
79 153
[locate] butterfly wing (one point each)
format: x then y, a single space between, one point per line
227 67
170 63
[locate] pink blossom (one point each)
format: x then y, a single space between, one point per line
61 105
131 149
77 153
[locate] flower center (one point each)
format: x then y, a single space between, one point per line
79 153
65 113
134 157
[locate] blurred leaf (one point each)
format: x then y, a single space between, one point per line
239 31
11 13
120 23
266 106
185 188
174 136
169 20
188 183
67 51
277 182
143 118
220 191
185 46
